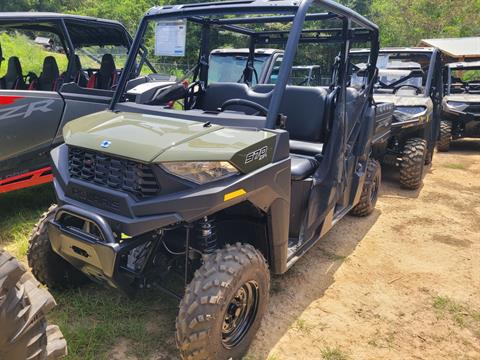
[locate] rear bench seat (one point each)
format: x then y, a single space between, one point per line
303 106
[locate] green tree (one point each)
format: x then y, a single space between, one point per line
406 22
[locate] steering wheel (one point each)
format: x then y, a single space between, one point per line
192 94
418 89
261 110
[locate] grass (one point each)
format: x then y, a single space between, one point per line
462 315
329 353
301 325
19 211
94 318
455 166
31 55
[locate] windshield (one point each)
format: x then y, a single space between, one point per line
465 81
395 78
230 67
396 70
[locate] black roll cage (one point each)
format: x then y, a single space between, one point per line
458 67
290 10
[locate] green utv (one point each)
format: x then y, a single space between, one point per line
207 201
411 79
461 103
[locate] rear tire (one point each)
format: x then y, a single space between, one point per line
24 333
443 143
213 322
413 163
370 190
48 267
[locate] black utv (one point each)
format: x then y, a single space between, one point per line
70 71
411 78
207 201
461 103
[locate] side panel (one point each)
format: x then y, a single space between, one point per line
77 105
28 122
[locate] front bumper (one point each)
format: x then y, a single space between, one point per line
98 256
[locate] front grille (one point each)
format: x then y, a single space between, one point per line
132 177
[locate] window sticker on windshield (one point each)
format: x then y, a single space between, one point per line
170 38
382 62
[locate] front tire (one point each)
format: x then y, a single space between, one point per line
413 163
443 143
370 190
24 333
48 267
224 304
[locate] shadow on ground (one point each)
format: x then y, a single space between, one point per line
465 146
308 280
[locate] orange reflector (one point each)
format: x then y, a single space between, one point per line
234 194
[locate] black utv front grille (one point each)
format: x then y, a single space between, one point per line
120 174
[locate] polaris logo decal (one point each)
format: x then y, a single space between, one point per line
105 144
257 155
26 110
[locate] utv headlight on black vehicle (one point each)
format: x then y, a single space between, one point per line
200 172
405 113
456 105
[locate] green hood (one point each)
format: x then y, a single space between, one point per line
150 138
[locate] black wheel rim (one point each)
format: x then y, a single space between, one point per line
240 314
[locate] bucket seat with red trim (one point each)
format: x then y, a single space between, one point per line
106 77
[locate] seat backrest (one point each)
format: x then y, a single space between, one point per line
79 76
303 106
106 76
13 79
47 81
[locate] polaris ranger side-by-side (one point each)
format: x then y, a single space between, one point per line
237 185
76 79
461 103
411 79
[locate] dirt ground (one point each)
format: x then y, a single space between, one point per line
403 283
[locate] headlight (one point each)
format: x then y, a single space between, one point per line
412 110
200 172
403 113
456 105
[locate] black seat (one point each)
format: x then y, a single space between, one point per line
304 108
106 77
48 79
79 76
13 79
303 167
